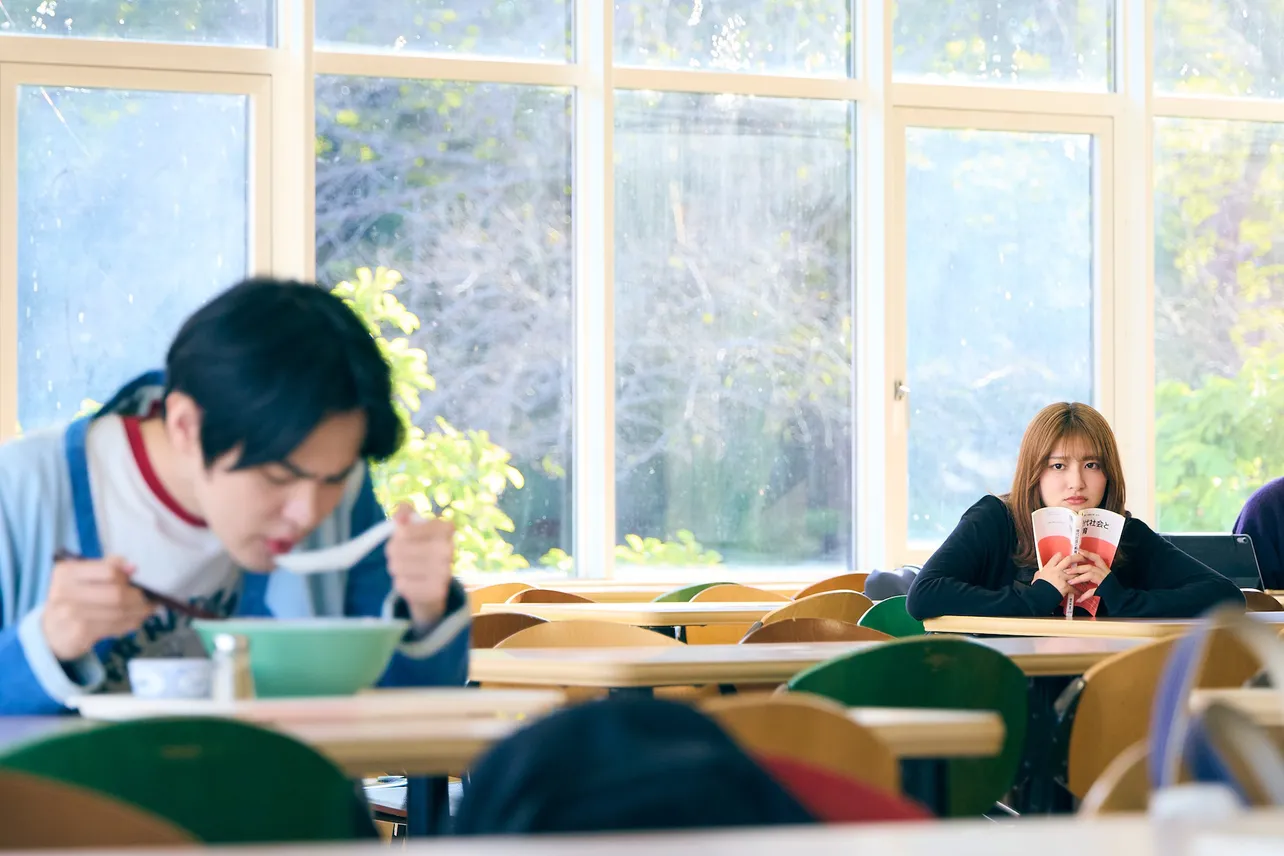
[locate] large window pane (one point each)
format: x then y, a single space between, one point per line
464 189
131 212
787 36
1219 318
734 327
233 22
1220 47
520 29
999 292
1014 42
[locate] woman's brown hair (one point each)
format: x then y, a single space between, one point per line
1066 421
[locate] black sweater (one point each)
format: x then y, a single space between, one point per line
973 574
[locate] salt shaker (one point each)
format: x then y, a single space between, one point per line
233 680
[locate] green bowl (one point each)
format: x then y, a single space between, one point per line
311 656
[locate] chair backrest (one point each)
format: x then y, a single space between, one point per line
1123 786
734 593
813 630
496 593
1260 601
891 617
728 634
41 813
489 629
685 593
1100 730
538 595
846 606
936 672
224 781
807 728
842 582
585 634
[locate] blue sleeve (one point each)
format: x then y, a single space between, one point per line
33 502
429 656
34 683
20 691
968 574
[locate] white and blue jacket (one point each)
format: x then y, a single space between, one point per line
46 506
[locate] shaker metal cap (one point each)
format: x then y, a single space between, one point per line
231 643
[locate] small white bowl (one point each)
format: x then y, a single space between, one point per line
176 677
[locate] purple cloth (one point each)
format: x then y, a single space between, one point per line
1263 520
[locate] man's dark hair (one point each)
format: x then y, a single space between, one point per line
621 764
267 361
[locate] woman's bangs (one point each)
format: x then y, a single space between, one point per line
1079 446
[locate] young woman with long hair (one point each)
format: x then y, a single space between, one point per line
989 565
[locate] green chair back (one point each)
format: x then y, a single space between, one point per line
684 594
222 780
891 617
928 671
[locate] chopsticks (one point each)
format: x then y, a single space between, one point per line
154 596
177 605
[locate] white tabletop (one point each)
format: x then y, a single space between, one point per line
442 746
1255 834
426 732
646 613
1110 628
933 733
601 591
677 665
433 747
1264 706
377 705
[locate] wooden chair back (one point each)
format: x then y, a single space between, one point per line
491 628
585 634
1260 601
593 634
807 728
539 595
1117 694
813 630
497 593
842 582
846 606
736 593
1123 786
728 634
40 813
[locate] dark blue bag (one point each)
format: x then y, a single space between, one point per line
881 585
616 765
